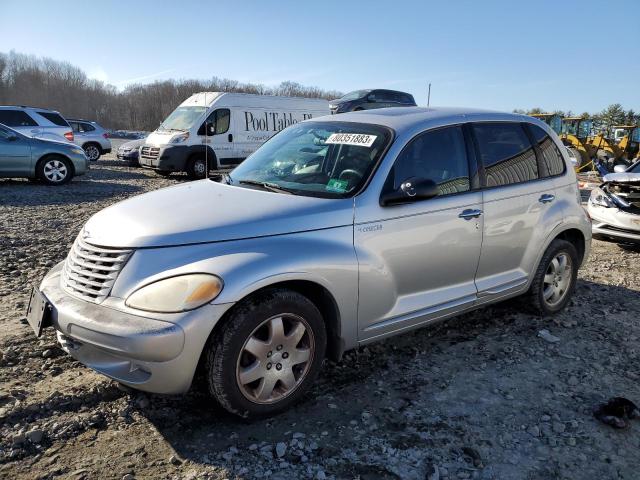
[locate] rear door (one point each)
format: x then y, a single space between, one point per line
20 121
518 205
15 154
417 260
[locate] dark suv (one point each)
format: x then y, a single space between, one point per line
368 99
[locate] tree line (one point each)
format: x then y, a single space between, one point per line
614 114
48 83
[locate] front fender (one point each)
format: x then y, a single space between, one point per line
325 257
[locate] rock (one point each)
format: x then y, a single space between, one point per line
174 460
128 476
573 381
558 427
48 353
433 473
281 449
534 431
546 335
142 402
35 435
321 475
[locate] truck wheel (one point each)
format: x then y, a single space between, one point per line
196 167
54 170
267 355
555 279
92 151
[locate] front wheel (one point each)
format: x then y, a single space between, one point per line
54 170
555 279
197 167
267 355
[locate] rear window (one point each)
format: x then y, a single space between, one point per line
16 118
54 118
552 162
507 155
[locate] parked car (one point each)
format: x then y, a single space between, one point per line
50 161
36 122
337 232
215 130
91 137
368 99
614 206
129 151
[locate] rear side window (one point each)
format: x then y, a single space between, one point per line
507 155
16 118
439 155
87 127
552 162
54 118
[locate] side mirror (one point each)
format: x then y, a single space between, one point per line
211 129
411 190
13 138
371 98
620 169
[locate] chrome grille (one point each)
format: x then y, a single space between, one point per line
150 152
90 271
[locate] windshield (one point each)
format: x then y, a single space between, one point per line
182 118
320 159
354 95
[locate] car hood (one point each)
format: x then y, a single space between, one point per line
206 211
624 177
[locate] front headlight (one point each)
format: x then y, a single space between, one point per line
176 294
180 138
600 198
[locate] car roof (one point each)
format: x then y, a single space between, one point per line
79 120
28 107
405 118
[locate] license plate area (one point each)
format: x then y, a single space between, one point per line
39 312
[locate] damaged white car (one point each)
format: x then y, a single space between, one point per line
614 206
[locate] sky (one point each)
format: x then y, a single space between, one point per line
566 55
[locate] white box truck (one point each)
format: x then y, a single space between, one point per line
218 130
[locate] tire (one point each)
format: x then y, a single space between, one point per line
256 320
551 279
196 167
163 173
92 151
54 170
134 163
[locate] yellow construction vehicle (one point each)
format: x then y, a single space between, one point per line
552 119
629 141
575 135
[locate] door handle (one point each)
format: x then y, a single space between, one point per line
546 198
470 213
230 137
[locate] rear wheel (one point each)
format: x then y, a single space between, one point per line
555 279
92 151
197 167
267 355
54 170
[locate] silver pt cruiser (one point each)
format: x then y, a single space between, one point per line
337 232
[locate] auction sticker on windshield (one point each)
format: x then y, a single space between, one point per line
359 139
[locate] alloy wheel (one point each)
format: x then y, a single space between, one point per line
557 279
92 152
55 171
275 359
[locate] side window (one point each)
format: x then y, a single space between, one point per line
506 153
54 118
552 161
87 127
16 118
438 155
4 134
75 126
220 119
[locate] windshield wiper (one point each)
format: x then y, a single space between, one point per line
272 187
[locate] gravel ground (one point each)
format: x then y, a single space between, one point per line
480 396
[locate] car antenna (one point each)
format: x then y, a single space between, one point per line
429 96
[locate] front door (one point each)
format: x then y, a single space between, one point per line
417 260
15 154
215 133
518 199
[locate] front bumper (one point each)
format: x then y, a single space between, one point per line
168 158
150 354
128 155
614 224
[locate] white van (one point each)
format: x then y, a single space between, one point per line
217 130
